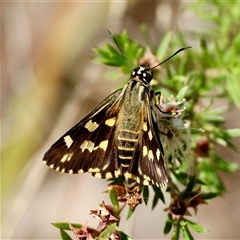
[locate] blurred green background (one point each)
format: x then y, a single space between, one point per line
49 82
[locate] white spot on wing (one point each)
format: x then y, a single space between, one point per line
150 135
91 126
105 166
98 175
117 173
146 177
150 155
159 171
103 145
144 126
93 170
158 154
110 122
145 182
138 180
89 145
68 140
109 175
145 151
66 157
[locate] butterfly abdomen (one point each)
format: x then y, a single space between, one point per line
127 141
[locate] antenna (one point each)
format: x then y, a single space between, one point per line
121 51
178 51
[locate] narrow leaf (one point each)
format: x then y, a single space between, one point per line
65 225
130 212
210 195
196 227
186 233
114 198
234 132
164 45
158 192
108 231
224 165
124 236
233 88
64 235
155 201
189 187
176 231
145 194
168 224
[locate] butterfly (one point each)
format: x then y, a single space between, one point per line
120 137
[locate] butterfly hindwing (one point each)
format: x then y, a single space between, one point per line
148 165
88 146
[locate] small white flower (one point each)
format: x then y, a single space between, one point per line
174 133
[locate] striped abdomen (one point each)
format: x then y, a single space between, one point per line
127 141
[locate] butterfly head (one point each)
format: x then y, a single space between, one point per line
143 73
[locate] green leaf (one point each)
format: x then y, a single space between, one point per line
158 192
168 224
112 56
189 187
186 233
158 195
181 94
155 201
196 227
65 225
209 195
108 231
145 194
124 236
176 231
181 177
114 198
64 235
233 133
233 88
130 212
164 46
208 174
215 116
224 165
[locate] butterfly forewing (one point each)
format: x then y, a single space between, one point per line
88 146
